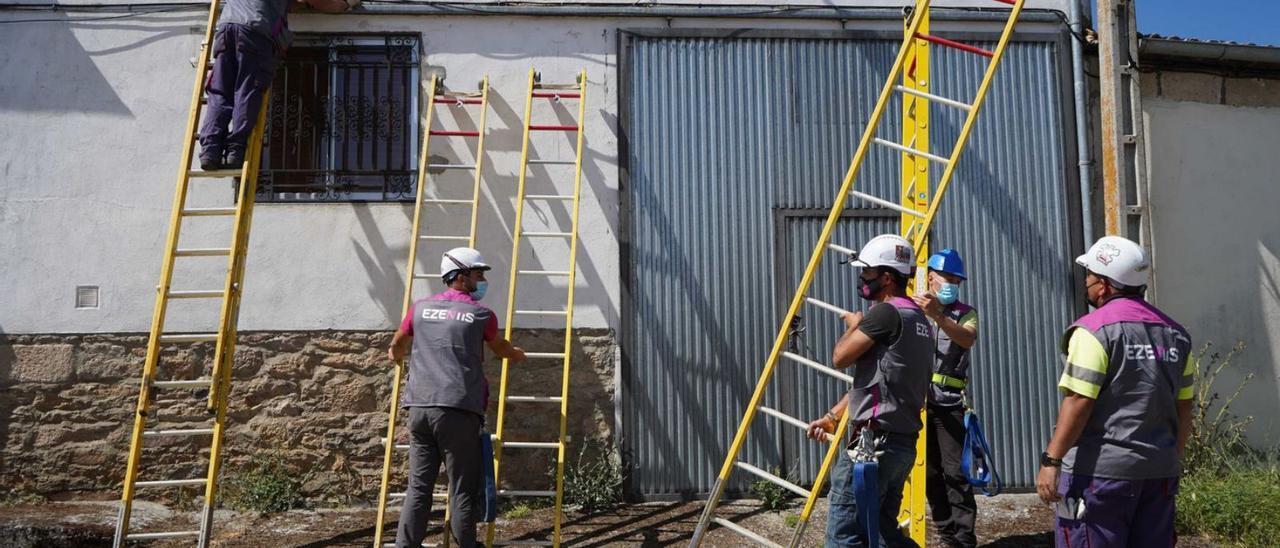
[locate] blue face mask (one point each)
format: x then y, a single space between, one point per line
948 293
481 287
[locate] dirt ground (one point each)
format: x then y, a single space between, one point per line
1016 520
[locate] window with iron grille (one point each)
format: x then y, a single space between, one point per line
343 121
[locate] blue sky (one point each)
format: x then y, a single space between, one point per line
1256 21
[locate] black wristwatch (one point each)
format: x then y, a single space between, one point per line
1046 460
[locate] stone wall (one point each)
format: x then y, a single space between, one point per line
317 399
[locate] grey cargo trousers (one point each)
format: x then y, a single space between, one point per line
453 434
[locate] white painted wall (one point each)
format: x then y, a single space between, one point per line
1215 194
91 121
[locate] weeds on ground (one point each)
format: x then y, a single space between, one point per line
268 484
518 510
773 497
1229 490
11 497
792 520
594 481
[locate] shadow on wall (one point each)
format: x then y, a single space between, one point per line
66 77
7 403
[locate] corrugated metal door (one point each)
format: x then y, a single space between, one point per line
734 146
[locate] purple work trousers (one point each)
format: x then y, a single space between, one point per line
244 62
1116 513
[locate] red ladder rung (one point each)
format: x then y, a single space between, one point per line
953 44
1010 2
553 128
455 101
454 133
550 95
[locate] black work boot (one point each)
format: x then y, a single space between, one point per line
234 160
210 158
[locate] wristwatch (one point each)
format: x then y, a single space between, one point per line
1046 460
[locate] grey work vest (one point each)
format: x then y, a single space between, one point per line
949 359
269 18
446 369
1132 432
890 382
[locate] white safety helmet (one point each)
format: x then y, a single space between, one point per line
888 250
461 258
1118 259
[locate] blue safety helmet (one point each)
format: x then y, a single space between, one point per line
948 261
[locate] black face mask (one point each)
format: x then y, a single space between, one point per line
869 289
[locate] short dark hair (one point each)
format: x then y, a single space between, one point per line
898 278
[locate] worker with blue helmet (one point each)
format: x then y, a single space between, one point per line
950 495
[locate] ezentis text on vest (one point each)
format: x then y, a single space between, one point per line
445 314
1148 352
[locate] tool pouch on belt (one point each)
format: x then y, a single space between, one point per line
489 489
865 453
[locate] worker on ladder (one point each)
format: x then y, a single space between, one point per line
891 351
1111 469
445 395
251 37
950 495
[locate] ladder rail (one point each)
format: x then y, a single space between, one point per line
407 301
475 193
810 272
166 278
512 281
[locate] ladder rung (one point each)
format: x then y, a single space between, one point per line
452 166
543 272
937 99
208 211
541 313
202 252
188 338
911 151
784 417
804 493
546 234
201 294
540 85
523 543
953 44
191 432
455 101
454 133
169 483
841 249
548 196
744 532
422 276
531 444
553 128
886 203
535 399
460 238
548 355
402 495
819 367
154 536
1010 2
553 95
826 306
215 174
514 493
444 201
552 163
198 383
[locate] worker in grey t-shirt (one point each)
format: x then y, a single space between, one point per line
891 352
445 395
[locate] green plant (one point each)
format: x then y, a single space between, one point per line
268 484
1238 506
11 497
773 497
518 510
1217 436
594 481
792 520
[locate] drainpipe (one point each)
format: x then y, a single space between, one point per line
1075 18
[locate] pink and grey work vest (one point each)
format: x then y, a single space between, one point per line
446 366
1132 432
951 360
890 382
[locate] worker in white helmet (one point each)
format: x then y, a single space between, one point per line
891 352
1111 468
446 393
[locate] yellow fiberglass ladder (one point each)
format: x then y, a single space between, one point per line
423 235
555 93
167 408
918 213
